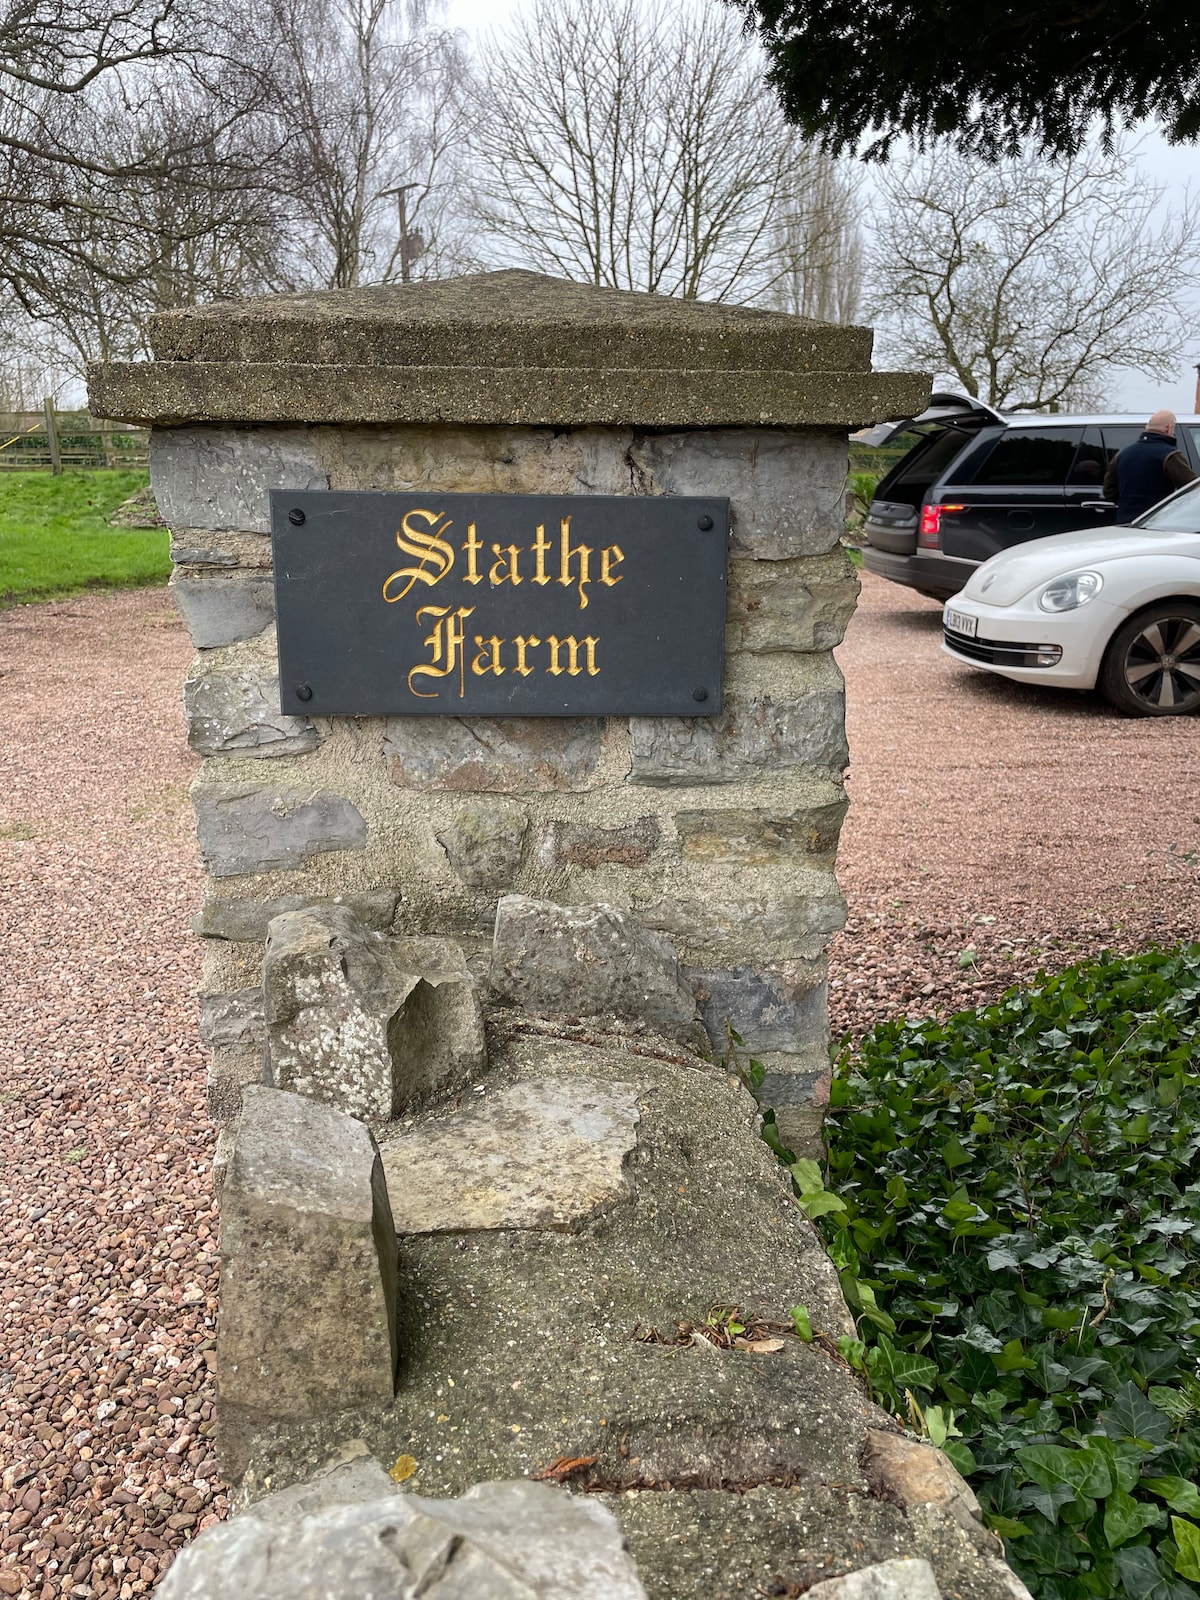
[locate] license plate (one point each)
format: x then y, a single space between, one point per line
960 622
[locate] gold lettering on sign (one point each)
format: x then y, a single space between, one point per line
572 645
566 555
472 546
522 643
489 655
509 576
611 556
539 547
446 643
425 545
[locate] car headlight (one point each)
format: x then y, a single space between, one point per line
1065 594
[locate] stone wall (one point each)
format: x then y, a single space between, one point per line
718 832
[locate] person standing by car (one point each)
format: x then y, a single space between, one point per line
1147 470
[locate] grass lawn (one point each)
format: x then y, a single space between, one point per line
54 539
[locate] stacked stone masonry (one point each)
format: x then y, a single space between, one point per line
718 832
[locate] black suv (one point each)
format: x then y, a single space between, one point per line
977 481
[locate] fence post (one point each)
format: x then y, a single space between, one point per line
52 435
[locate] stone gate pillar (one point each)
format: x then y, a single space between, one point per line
720 833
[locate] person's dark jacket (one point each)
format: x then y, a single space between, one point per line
1144 473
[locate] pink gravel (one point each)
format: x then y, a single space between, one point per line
995 827
107 1227
992 829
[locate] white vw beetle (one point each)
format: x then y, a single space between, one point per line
1115 608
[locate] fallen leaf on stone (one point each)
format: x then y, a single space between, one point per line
403 1470
563 1468
761 1347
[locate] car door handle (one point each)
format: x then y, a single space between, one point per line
1098 505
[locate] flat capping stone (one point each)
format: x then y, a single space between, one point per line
507 347
504 319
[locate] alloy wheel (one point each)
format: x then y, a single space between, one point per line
1161 666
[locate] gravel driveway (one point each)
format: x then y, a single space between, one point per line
1023 827
107 1229
996 827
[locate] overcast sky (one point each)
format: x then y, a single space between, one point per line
1173 167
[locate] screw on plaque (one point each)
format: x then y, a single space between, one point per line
704 524
699 694
303 691
296 517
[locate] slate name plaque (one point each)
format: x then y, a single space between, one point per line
430 604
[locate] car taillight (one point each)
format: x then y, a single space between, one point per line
929 535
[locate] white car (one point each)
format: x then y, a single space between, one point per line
1114 608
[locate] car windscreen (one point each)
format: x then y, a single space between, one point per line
1181 514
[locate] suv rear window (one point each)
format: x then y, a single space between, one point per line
1031 456
926 461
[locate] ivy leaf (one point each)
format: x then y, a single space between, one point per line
1131 1416
1002 1258
1145 1577
807 1175
1125 1517
802 1323
954 1155
908 1371
1012 1358
1085 1471
1187 1538
1179 1494
1006 1527
1124 1460
961 1455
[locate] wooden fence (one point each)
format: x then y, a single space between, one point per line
51 441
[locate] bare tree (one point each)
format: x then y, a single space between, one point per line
821 248
1027 282
635 145
368 95
147 234
132 161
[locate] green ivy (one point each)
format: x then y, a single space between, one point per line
1013 1202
